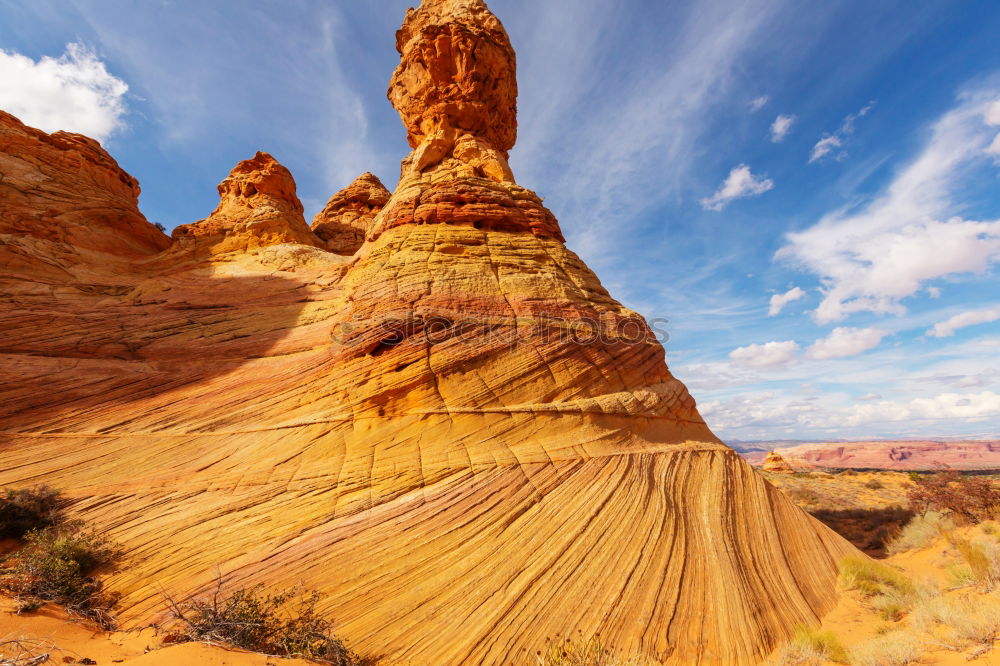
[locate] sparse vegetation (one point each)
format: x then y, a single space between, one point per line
56 565
895 648
889 591
810 646
570 652
26 509
874 484
982 559
970 499
284 624
25 652
921 531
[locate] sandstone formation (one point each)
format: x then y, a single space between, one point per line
258 207
774 463
456 433
63 193
347 216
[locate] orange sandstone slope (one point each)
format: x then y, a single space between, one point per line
455 432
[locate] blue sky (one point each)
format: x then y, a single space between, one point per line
809 192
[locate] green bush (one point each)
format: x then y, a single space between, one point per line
27 509
284 624
55 565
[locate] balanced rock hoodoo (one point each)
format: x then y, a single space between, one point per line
455 433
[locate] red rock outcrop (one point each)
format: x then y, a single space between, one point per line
347 216
258 207
456 434
64 189
899 454
775 464
456 74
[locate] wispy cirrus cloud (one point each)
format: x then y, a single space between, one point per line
832 144
872 258
948 327
758 103
74 92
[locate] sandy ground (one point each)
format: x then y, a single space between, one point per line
853 621
68 640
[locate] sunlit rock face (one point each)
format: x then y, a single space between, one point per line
347 216
258 207
452 430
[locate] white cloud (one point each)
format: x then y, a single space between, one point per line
844 341
74 92
780 128
739 184
868 397
831 142
765 410
824 147
934 292
993 113
948 327
767 355
871 258
757 103
779 301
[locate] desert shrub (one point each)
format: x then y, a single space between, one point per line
983 560
896 648
26 509
889 591
285 624
874 484
968 498
813 646
570 652
56 565
921 531
25 651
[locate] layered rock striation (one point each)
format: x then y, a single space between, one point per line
347 216
258 207
454 432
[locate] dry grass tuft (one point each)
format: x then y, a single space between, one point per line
982 559
896 648
922 531
890 592
569 652
962 622
812 646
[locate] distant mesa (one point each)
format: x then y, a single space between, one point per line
902 455
426 407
